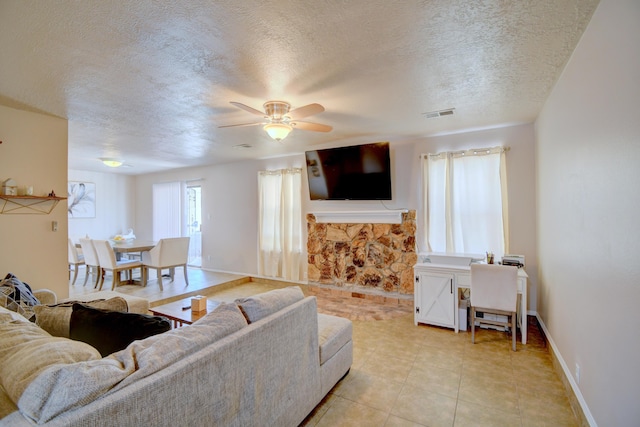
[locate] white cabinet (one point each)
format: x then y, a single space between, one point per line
434 301
436 292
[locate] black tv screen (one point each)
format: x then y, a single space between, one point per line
358 172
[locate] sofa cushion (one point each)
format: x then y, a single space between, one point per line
262 305
55 319
333 333
27 350
111 331
7 315
68 386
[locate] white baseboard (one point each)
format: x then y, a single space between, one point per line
569 377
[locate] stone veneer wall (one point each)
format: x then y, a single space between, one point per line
363 257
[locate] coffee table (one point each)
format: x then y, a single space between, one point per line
176 311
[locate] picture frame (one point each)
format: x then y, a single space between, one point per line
81 199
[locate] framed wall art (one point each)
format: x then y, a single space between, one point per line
81 199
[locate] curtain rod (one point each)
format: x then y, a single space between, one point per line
470 151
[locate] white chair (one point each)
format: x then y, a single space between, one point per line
107 260
91 261
168 253
494 290
75 260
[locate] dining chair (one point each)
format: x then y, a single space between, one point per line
75 260
494 290
91 261
107 260
168 253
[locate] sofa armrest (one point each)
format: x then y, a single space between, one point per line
45 296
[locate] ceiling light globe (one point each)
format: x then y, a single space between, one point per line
112 163
278 131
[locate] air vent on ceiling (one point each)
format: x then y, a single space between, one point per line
439 113
243 147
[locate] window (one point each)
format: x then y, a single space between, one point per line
465 195
280 243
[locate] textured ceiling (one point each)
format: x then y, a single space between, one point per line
149 82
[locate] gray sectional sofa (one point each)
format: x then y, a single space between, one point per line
266 360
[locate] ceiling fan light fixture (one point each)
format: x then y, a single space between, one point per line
278 131
112 163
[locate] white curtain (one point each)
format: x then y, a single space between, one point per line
465 201
280 240
167 210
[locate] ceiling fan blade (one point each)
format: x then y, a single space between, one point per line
316 127
307 110
241 124
249 109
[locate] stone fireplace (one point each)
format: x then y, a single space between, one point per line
366 257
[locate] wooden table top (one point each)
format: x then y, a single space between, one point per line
134 246
174 310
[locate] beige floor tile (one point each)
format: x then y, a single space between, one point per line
423 407
318 412
345 413
488 391
394 421
434 379
450 359
473 415
373 391
387 367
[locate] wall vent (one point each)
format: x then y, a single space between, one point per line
439 113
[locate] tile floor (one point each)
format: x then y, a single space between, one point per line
407 375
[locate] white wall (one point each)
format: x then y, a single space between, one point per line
115 207
588 178
34 152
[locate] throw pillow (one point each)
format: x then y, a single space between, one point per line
27 350
17 296
262 305
111 331
55 319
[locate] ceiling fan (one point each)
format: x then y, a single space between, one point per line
280 119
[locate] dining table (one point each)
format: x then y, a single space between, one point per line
135 245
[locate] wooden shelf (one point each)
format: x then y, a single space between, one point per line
28 204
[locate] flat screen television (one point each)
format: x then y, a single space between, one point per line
357 172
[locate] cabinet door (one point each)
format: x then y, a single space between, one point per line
434 303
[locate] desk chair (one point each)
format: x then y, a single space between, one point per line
91 261
167 254
107 259
75 260
494 290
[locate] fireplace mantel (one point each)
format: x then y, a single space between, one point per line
361 217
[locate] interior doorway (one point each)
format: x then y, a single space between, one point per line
194 224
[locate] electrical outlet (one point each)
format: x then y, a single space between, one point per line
54 225
577 374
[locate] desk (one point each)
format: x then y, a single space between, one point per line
436 303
